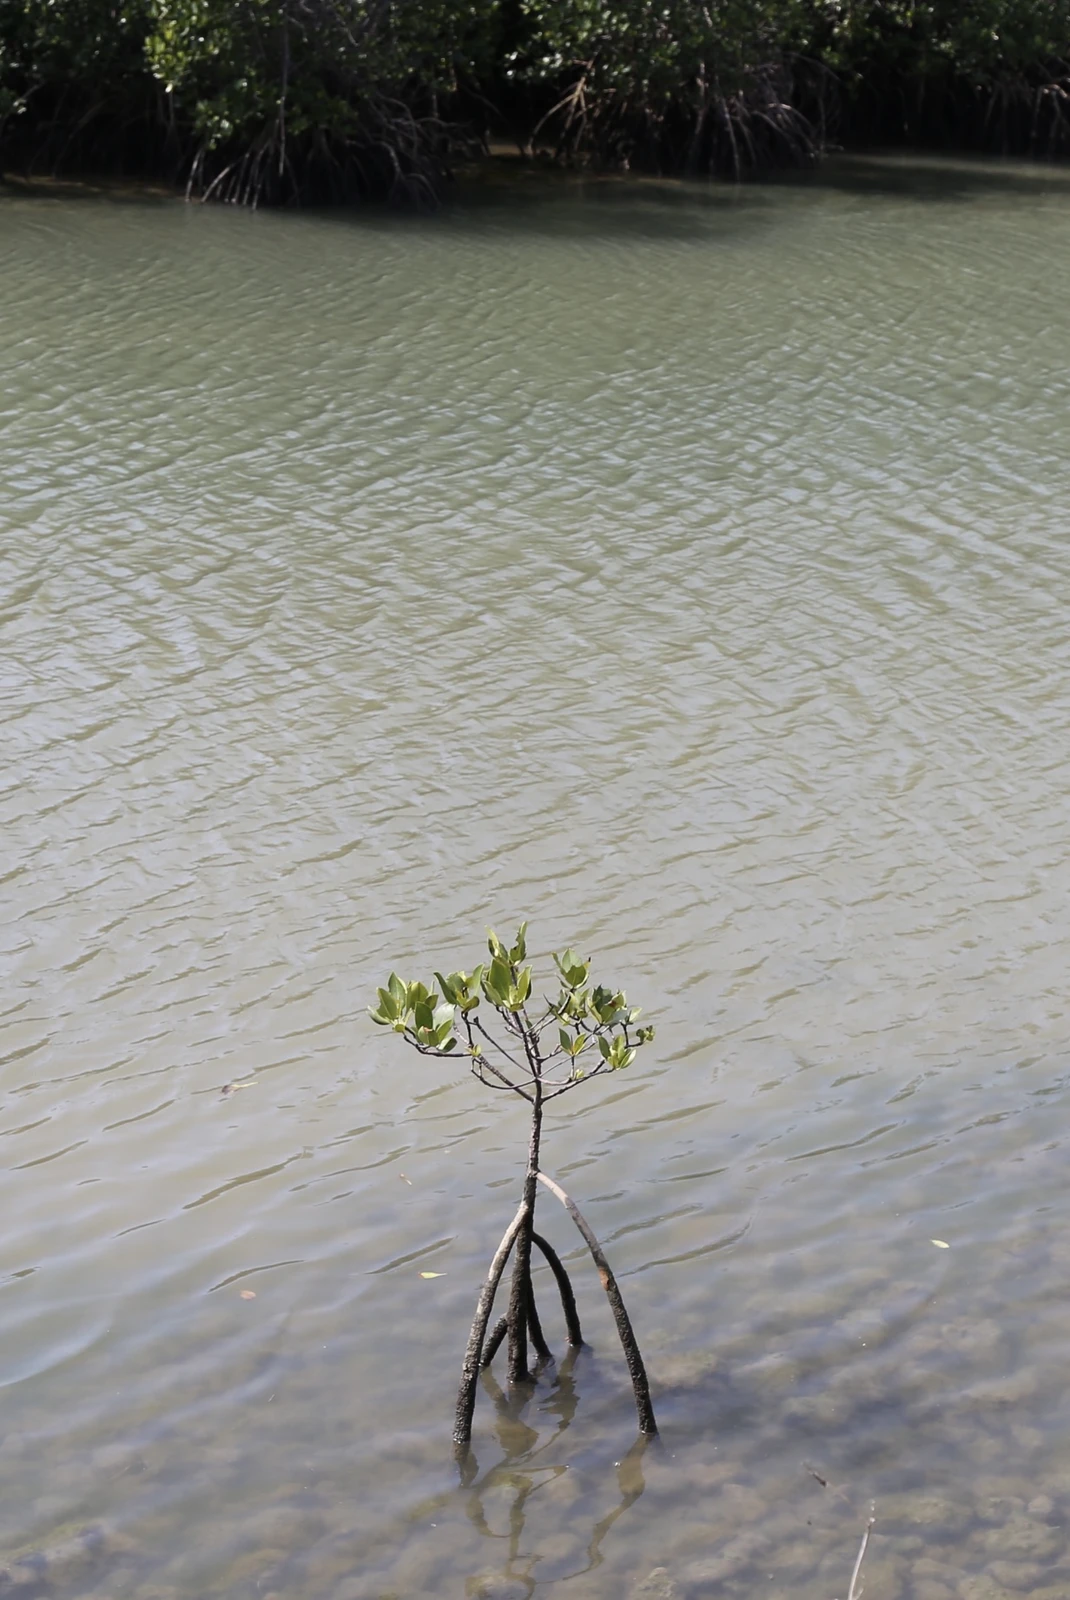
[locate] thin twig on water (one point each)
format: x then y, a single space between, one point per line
855 1591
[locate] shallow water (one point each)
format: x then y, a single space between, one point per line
686 570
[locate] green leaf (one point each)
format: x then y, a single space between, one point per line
397 988
566 1040
469 998
388 1004
520 948
448 986
606 1049
573 972
423 1014
501 975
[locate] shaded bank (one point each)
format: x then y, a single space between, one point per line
312 101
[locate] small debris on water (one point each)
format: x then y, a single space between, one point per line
248 1294
940 1244
432 1274
230 1088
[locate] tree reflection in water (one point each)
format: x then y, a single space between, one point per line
521 1473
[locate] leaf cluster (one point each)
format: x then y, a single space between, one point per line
581 1031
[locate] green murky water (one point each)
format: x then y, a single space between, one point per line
688 571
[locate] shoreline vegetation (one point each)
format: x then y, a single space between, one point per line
319 101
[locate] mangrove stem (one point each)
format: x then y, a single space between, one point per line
519 1288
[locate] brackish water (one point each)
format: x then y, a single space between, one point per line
687 570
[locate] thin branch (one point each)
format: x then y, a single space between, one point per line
480 1062
499 1046
504 1081
596 1072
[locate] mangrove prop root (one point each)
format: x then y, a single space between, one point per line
497 1336
636 1369
494 1343
564 1284
466 1394
542 1349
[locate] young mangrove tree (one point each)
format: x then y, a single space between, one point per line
539 1051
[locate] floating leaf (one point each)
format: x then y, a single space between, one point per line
432 1274
248 1294
940 1244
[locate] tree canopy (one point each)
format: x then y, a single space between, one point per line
283 100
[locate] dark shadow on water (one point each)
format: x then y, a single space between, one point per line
915 175
623 210
508 197
629 208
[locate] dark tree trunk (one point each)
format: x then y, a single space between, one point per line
520 1286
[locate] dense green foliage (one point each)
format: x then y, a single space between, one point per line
284 99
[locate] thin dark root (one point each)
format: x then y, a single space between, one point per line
564 1284
542 1349
494 1343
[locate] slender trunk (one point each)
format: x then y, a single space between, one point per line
466 1395
520 1285
632 1356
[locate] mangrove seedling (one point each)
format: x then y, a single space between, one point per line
490 1018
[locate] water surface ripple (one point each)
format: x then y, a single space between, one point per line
687 571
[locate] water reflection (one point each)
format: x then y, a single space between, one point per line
521 1474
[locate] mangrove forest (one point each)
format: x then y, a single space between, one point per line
313 101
